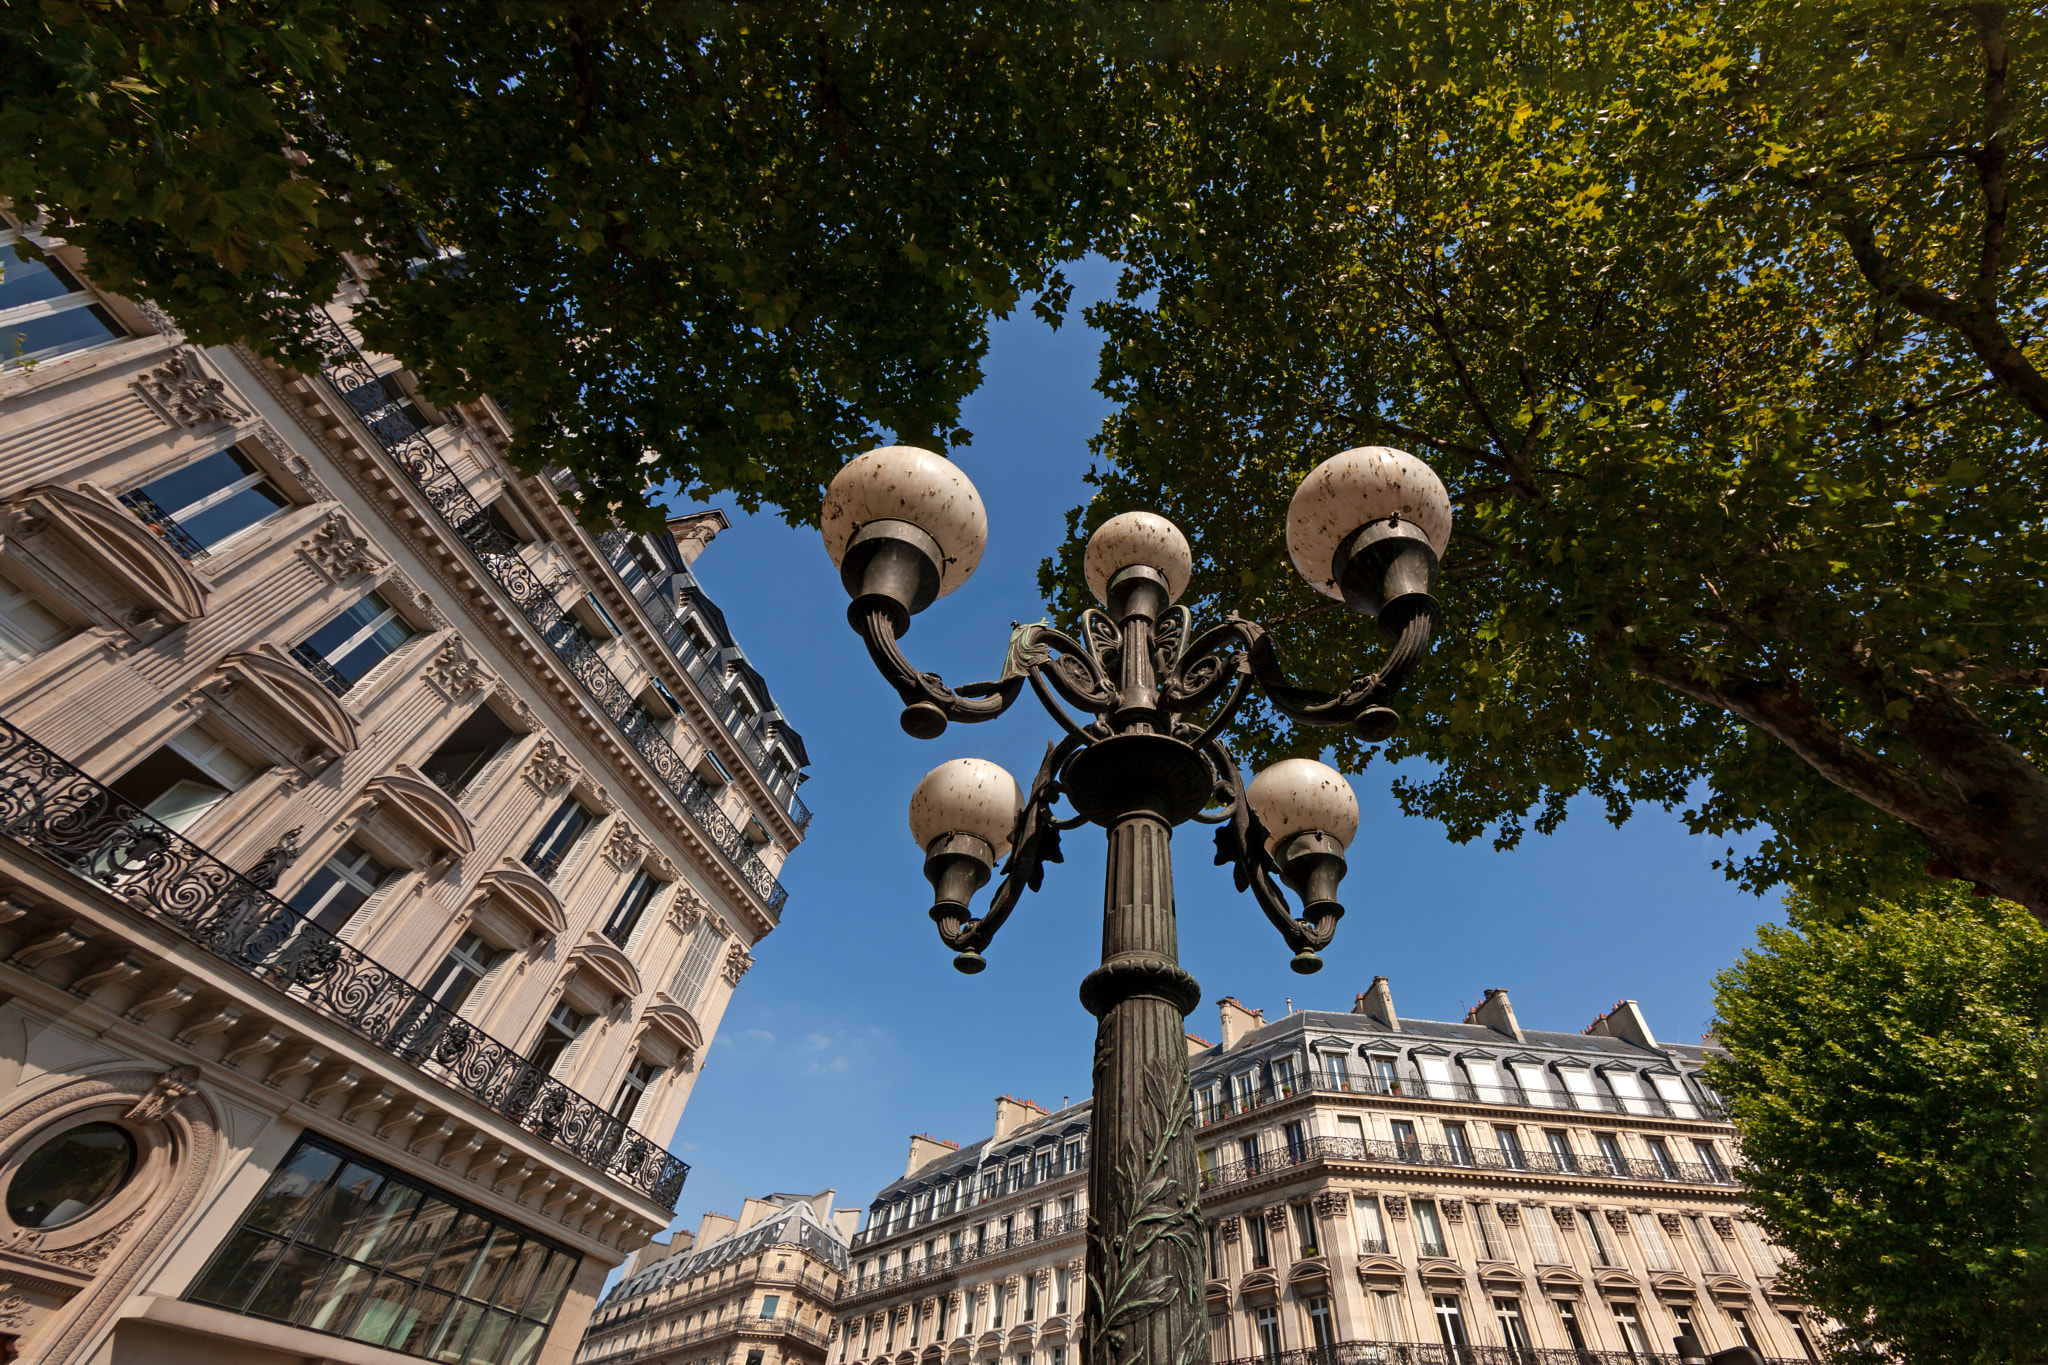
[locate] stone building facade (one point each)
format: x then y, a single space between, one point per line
378 852
754 1290
1375 1190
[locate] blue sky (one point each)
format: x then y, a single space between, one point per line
853 1031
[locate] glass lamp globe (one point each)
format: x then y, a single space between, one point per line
1137 538
905 483
1353 490
1300 796
967 796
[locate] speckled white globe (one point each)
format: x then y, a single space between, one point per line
1344 492
904 483
967 796
1299 794
1137 538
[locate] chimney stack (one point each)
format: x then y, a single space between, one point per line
1377 1002
1013 1113
1497 1014
1625 1021
924 1150
1238 1021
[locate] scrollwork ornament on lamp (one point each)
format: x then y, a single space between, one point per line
1141 701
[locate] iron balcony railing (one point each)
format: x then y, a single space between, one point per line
704 669
1032 1178
356 383
52 808
781 1325
940 1263
1416 1088
1435 1353
166 527
313 662
1221 1175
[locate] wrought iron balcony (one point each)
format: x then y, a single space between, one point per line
356 383
1435 1353
163 524
330 678
54 810
1417 1088
1221 1175
942 1264
781 1325
703 669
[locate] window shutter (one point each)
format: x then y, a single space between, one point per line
1543 1236
487 777
367 911
473 1003
695 970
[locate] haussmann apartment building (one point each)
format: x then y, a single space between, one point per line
1375 1191
759 1289
378 852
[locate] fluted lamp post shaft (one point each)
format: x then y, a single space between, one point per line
905 527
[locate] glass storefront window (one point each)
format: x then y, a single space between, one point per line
339 1244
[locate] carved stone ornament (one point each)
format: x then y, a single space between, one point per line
88 1256
1396 1204
685 909
172 1086
925 1309
1276 1218
1617 1220
548 768
1510 1214
457 672
1563 1217
625 847
1723 1226
422 603
187 394
338 552
737 960
1453 1210
1331 1204
1670 1222
521 712
157 318
1230 1231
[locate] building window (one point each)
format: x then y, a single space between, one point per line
1073 1150
468 962
71 1174
337 1244
1711 1159
639 1076
1511 1148
331 896
1372 1230
1741 1320
1561 1151
1592 1218
769 1303
1660 1152
1568 1317
1337 1071
1267 1322
1681 1313
1404 1139
1610 1155
1283 1075
998 1293
350 645
1542 1226
187 777
1297 1142
1255 1234
990 1182
1030 1296
1386 1313
464 755
563 1027
1429 1233
551 847
695 970
1248 1150
756 1357
207 502
1061 1279
1016 1177
1384 1073
1459 1149
1514 1333
1320 1331
26 628
1631 1329
1041 1164
1493 1238
45 312
1656 1250
1450 1322
1305 1229
626 914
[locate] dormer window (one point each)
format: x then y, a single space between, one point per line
207 502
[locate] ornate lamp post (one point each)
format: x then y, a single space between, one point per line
905 527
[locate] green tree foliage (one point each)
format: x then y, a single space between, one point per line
720 243
1721 323
1887 1073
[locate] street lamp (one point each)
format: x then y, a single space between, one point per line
905 527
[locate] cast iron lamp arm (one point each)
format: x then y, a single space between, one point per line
1034 843
1363 702
1314 868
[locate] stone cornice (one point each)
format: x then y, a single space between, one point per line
330 427
1540 1115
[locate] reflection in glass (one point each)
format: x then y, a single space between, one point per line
71 1175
